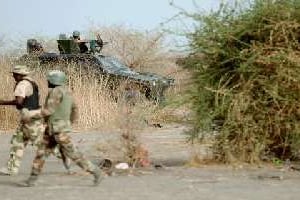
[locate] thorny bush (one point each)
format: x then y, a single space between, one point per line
246 79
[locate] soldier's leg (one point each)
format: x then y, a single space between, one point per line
18 143
39 160
43 151
35 130
26 132
68 149
57 151
65 159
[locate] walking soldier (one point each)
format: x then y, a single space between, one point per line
59 111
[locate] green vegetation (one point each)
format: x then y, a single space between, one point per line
246 79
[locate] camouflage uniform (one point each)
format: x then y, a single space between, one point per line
31 126
59 111
75 47
26 132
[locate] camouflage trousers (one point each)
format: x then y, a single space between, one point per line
50 141
26 133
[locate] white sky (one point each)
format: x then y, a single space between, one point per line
51 17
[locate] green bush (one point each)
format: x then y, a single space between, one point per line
246 78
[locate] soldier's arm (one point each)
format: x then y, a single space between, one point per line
53 101
18 101
19 93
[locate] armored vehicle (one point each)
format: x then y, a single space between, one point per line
88 52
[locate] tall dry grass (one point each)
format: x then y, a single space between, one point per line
8 115
98 108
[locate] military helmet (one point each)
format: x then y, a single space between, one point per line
56 77
20 69
76 33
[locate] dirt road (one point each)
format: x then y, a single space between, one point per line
174 181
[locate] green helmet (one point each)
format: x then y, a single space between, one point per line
56 77
76 33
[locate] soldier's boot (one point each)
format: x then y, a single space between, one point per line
5 172
97 176
31 181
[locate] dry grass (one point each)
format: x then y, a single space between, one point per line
8 115
98 108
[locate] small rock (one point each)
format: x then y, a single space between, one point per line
122 166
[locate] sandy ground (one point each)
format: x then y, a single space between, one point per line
174 181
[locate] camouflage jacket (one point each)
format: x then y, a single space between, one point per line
52 103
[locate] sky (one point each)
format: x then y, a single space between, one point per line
24 19
51 17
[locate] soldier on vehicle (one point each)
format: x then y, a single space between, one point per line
81 46
76 35
60 112
30 129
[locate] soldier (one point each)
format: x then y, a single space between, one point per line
59 112
81 46
76 35
30 129
27 102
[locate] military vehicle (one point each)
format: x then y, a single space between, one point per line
88 52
